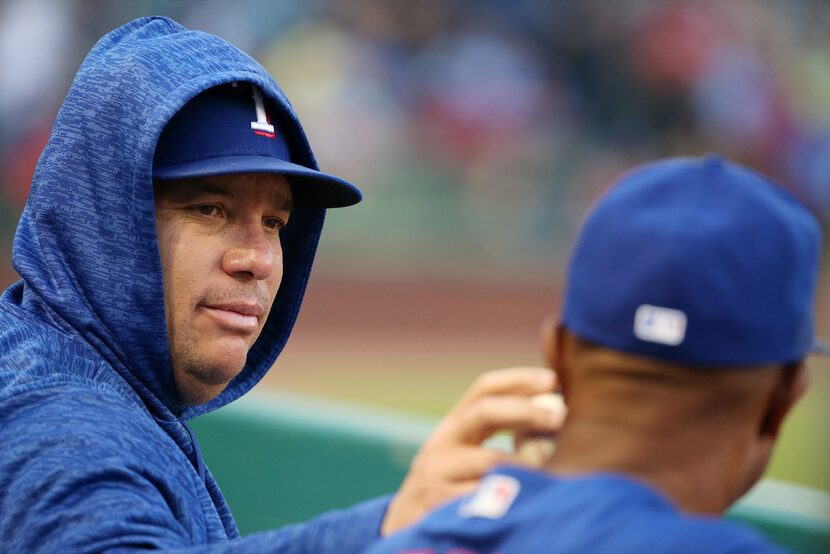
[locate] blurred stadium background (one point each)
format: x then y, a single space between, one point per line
480 131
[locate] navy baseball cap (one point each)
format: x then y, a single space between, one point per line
228 129
697 261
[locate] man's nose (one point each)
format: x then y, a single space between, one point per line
252 254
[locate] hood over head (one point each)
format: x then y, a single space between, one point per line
86 244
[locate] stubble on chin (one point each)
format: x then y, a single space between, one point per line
197 377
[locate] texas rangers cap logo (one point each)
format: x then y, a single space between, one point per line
262 126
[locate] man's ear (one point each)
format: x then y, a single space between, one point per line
792 383
553 345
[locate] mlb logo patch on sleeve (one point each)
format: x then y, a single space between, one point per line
492 499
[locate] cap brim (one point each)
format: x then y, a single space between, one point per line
820 348
311 188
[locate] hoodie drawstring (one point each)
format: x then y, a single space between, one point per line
198 463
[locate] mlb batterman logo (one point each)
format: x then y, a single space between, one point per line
492 499
660 325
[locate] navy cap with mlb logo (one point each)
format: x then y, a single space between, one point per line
227 130
697 261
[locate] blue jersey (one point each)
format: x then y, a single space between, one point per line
519 511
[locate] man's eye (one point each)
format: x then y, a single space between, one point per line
274 223
208 209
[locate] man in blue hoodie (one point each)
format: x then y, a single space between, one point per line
163 253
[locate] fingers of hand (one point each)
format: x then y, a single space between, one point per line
452 460
480 420
535 450
513 380
535 458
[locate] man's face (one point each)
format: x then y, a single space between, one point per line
222 264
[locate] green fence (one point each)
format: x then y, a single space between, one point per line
281 459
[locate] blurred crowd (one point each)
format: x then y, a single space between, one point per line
479 130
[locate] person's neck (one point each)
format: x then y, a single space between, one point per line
688 465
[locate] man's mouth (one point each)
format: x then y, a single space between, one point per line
239 316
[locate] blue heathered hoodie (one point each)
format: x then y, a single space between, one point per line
96 456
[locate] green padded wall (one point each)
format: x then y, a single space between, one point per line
280 460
